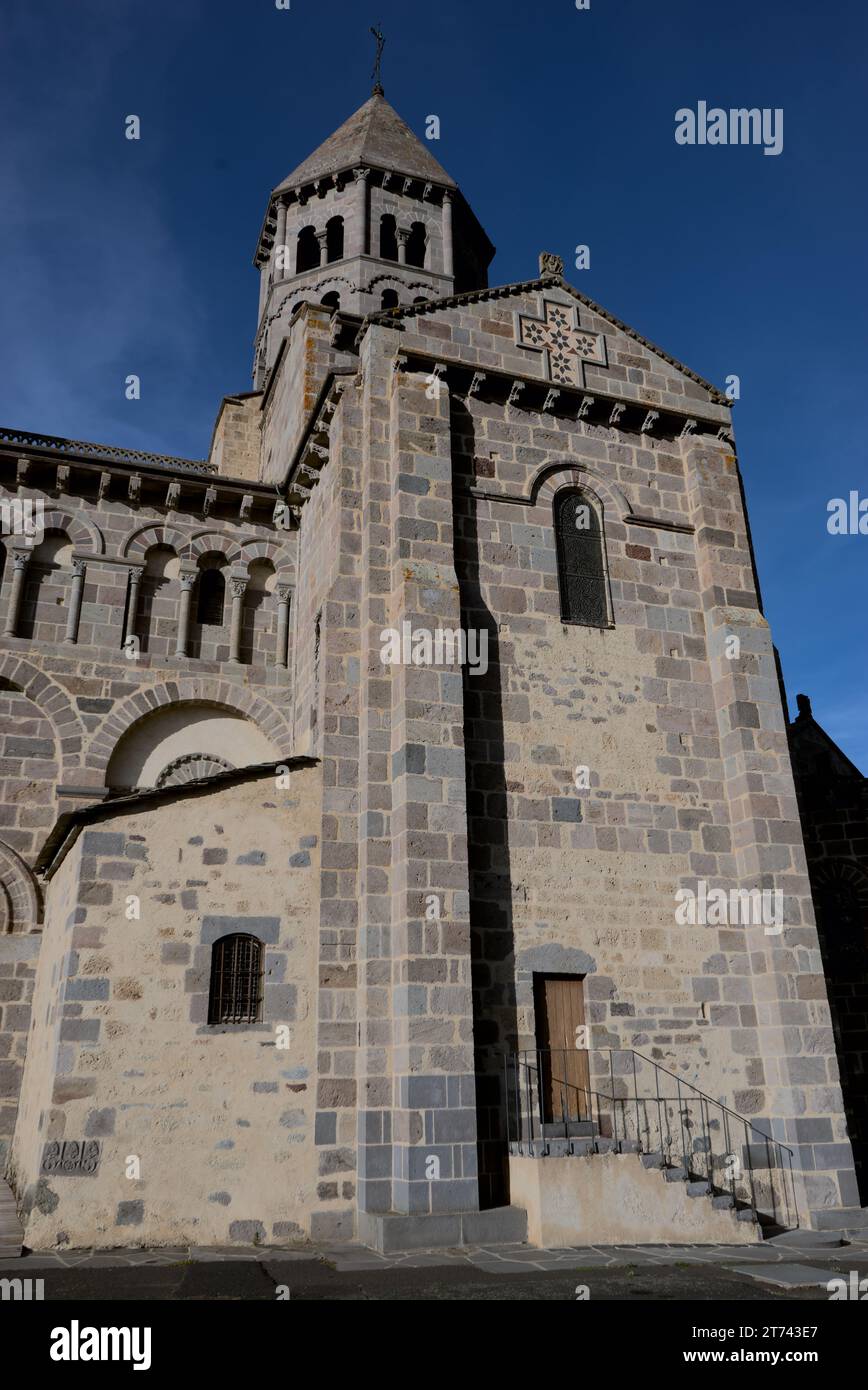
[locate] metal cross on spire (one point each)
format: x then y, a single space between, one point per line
377 74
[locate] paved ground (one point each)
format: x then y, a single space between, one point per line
791 1267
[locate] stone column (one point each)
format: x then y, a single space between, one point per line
188 581
13 611
238 587
280 242
403 235
284 592
322 238
448 257
132 604
79 569
363 209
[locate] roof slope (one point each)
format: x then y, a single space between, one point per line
373 136
518 287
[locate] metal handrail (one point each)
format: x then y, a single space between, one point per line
532 1102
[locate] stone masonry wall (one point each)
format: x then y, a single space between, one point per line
220 1117
686 750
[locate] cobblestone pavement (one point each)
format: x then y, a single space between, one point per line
793 1266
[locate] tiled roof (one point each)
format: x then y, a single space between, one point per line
375 137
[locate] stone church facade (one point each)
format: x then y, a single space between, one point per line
312 929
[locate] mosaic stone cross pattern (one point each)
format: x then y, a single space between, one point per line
564 345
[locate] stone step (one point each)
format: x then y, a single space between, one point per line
676 1174
698 1189
724 1201
11 1230
605 1146
746 1214
573 1129
807 1240
652 1160
841 1219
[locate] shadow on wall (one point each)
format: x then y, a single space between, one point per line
493 967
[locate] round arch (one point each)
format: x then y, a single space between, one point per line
52 701
554 477
202 692
81 531
20 902
140 542
267 550
210 542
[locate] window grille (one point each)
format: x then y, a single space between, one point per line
581 561
236 980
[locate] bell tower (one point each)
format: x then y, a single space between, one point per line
368 222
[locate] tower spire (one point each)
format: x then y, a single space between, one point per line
377 74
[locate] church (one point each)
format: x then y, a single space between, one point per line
352 777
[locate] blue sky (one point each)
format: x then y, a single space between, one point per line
135 257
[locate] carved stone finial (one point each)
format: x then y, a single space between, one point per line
550 264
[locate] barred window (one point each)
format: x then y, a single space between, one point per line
581 560
236 980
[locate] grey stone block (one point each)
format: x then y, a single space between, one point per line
267 929
130 1213
103 842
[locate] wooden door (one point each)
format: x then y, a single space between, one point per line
563 1068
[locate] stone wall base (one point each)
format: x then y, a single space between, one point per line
393 1232
610 1199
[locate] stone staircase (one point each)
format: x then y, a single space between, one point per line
619 1101
583 1140
11 1230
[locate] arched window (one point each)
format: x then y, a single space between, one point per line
335 239
211 597
332 300
388 238
258 643
416 244
389 299
307 251
840 890
581 560
46 589
235 994
157 600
